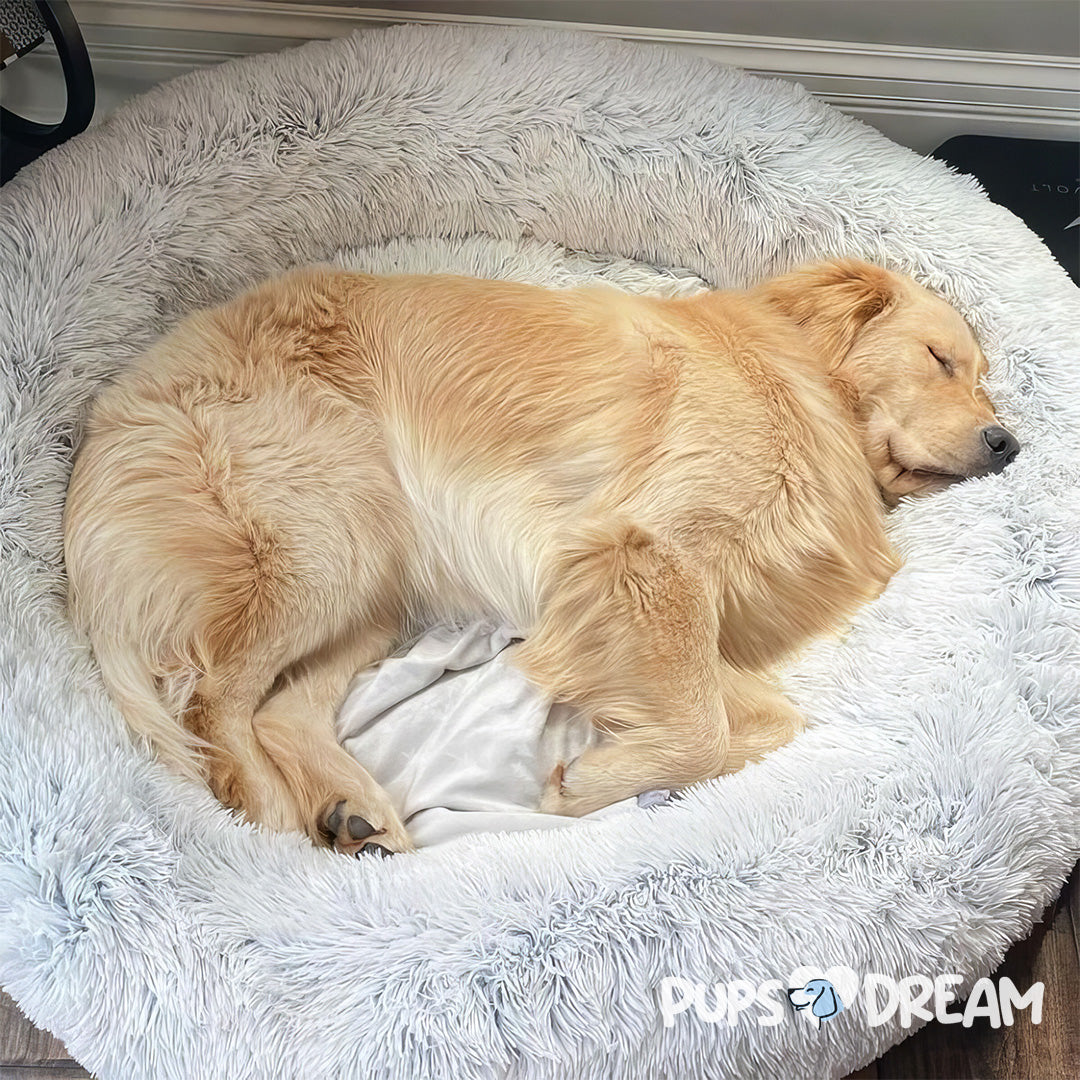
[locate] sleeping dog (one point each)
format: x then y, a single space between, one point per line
667 496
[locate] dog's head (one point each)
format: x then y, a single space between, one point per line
909 367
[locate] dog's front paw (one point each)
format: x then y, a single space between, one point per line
360 829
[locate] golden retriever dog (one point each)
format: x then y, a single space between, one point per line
666 496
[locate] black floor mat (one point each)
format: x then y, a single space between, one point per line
1037 179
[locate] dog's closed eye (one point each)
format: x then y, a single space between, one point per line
945 363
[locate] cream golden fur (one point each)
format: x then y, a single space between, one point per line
666 496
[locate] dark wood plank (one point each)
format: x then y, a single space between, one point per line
43 1072
1051 1049
1073 891
868 1073
22 1044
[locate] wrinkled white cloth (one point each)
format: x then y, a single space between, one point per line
460 739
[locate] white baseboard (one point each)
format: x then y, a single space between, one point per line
917 96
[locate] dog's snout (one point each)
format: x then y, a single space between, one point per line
1003 447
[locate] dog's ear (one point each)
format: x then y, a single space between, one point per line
833 301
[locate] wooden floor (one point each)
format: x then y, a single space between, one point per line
1050 1051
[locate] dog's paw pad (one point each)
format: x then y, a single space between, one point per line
359 828
376 851
353 834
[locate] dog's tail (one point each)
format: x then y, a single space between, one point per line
135 540
153 706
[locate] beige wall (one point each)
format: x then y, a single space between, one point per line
1049 27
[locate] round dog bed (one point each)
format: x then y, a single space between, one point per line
918 827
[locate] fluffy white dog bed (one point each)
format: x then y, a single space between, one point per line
920 825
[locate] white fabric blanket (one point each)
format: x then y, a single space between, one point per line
460 740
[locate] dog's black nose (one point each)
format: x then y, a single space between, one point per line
1003 447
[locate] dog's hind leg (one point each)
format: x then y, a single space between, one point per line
340 802
628 633
761 718
238 770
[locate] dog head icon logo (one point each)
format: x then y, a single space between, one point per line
819 997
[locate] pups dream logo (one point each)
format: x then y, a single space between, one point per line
820 995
